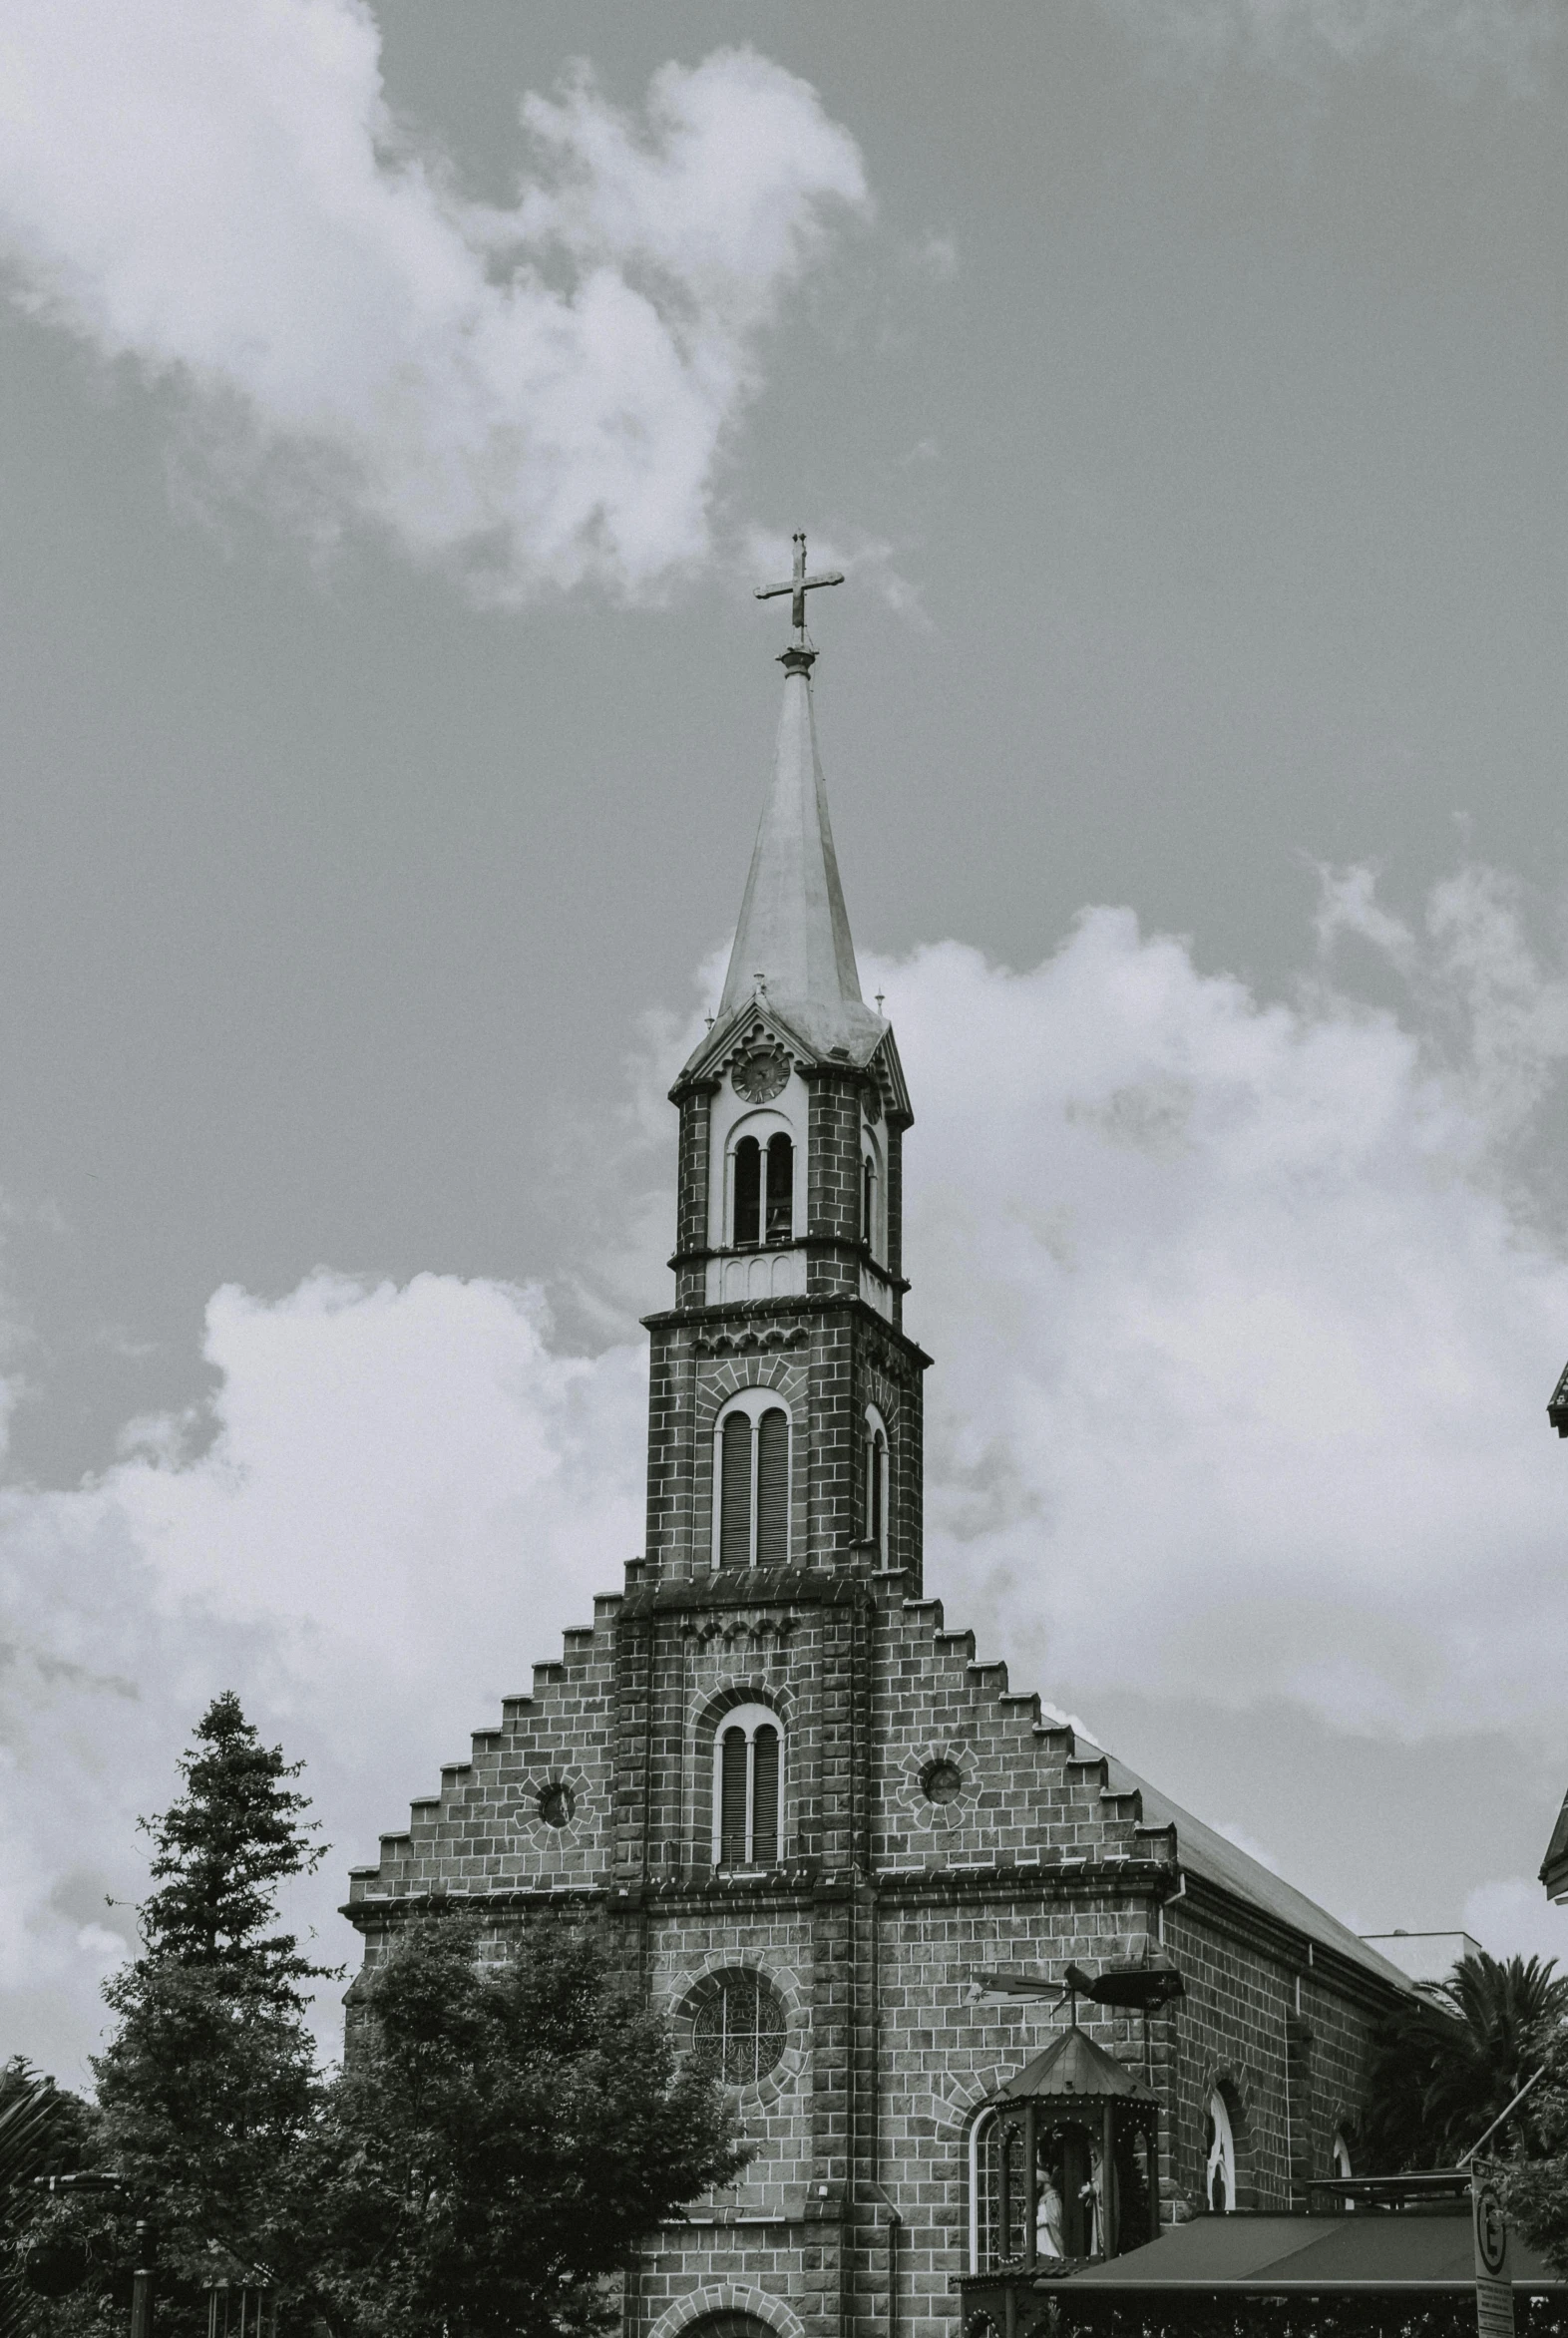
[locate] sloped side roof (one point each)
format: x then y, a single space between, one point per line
1272 2254
1208 1855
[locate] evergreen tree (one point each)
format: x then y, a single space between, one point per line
502 2134
224 1850
208 2087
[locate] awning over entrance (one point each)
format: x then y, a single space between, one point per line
1279 2255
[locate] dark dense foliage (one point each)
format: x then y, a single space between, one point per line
505 2131
508 2129
1440 2074
1537 2191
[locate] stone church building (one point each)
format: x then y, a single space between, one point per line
849 1858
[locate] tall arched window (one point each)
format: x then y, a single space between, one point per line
1219 2179
1341 2155
875 1508
752 1510
748 1788
748 1193
781 1188
986 2237
871 1232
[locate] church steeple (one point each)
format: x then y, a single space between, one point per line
784 1414
793 943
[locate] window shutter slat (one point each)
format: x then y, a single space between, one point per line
733 1799
773 1490
735 1493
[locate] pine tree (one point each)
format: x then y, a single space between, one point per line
209 2087
224 1850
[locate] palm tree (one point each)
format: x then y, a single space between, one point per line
32 2118
1443 2070
1504 2013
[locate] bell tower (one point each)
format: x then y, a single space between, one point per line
785 1423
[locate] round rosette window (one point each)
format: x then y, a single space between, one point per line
739 2026
556 1803
942 1780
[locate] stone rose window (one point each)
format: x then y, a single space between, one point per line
739 2026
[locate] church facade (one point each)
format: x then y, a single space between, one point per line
851 1859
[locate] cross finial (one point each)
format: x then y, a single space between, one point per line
798 588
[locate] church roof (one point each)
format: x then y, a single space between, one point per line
1073 2064
793 941
1217 1862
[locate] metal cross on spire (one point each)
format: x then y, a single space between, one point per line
798 588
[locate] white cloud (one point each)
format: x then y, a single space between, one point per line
1457 41
1243 1344
538 393
1512 1916
408 1496
1243 1347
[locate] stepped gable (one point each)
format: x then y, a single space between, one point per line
529 1811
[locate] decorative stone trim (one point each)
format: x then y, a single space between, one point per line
759 2094
733 2297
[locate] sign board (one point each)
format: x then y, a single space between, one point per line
1493 2256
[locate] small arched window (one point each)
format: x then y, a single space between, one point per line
1342 2157
875 1482
1219 2176
753 1493
748 1193
748 1788
781 1188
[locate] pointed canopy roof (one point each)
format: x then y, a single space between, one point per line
1075 2065
793 945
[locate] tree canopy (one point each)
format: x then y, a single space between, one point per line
507 2127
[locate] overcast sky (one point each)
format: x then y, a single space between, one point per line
398 407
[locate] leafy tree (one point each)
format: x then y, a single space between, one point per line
1440 2072
208 2087
1537 2189
501 2136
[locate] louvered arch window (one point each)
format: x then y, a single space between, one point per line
748 1788
876 1465
751 1493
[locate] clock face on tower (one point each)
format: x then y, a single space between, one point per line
760 1074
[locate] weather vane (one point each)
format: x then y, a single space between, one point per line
798 588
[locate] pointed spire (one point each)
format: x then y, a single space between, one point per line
793 943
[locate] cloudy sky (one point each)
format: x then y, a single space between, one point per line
396 406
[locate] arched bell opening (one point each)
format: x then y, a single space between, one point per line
1065 2165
